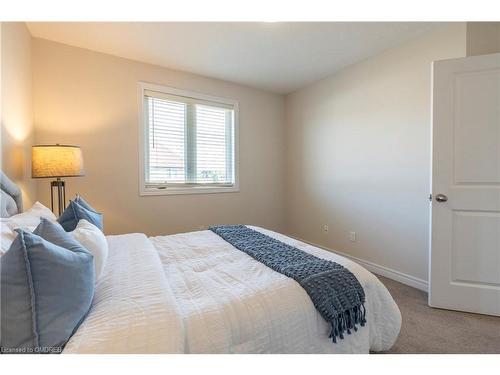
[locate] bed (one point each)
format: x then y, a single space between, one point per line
196 293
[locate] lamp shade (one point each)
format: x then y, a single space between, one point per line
56 161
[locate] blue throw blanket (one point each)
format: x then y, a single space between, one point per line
335 292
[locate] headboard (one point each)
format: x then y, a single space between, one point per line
11 200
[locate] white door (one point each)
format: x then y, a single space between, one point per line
465 229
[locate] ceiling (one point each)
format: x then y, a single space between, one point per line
279 57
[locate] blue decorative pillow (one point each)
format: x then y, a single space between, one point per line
47 286
17 324
82 202
79 209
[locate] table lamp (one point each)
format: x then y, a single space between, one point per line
57 161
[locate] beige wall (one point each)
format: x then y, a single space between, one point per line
90 99
17 131
357 144
483 38
358 154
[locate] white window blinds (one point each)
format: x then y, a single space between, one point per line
189 142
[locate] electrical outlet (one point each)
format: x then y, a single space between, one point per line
352 236
325 228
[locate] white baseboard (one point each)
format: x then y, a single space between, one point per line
401 277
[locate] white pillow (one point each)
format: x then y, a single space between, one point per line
7 236
94 241
28 220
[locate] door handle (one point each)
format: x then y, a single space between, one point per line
441 198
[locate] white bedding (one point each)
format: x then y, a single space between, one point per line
195 293
134 310
231 303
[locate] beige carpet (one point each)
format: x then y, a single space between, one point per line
428 330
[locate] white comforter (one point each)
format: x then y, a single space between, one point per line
231 303
134 310
195 293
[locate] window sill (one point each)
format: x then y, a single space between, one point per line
188 190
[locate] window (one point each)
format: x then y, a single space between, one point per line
187 142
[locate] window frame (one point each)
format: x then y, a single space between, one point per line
144 189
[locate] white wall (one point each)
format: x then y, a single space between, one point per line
89 99
358 154
17 130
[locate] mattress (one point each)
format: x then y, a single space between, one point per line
231 303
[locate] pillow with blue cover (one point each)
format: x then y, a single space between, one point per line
79 209
47 286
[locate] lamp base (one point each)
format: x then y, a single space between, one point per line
61 195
